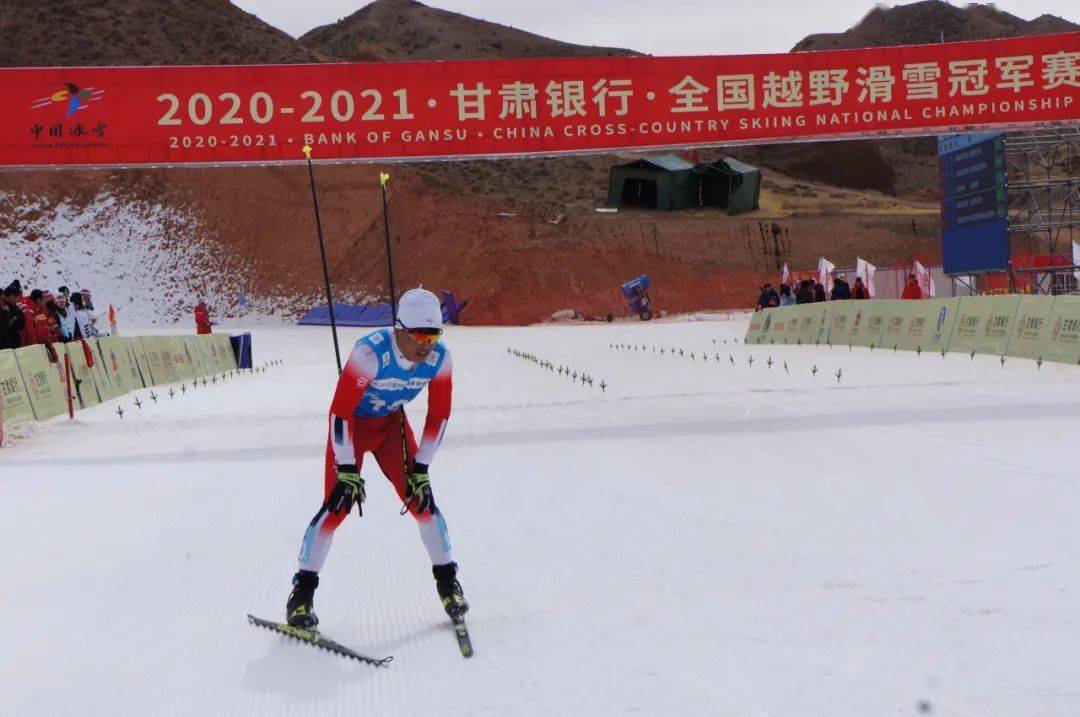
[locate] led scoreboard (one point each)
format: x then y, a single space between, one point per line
974 232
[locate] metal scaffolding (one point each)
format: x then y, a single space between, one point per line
1043 199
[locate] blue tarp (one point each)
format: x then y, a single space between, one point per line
377 315
241 346
348 315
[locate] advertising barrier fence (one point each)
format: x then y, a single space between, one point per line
1032 326
82 376
1062 343
160 372
843 314
106 385
33 388
1046 327
16 401
998 323
142 361
877 315
44 383
930 325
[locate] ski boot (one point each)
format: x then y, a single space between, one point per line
299 611
453 597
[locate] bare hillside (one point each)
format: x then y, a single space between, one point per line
409 30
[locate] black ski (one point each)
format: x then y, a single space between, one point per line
314 637
463 640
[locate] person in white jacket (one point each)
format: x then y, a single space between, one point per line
84 321
65 316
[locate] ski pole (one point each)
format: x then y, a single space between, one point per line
322 252
383 178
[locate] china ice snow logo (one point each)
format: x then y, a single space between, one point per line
768 322
71 96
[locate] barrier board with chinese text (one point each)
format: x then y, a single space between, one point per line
16 402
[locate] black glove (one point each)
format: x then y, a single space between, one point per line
349 490
418 489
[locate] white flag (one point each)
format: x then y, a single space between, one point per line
787 274
866 270
1076 260
825 269
926 282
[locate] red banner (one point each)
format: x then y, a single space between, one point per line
437 110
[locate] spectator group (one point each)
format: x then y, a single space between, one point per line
42 317
809 291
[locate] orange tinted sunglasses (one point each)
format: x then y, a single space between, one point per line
428 337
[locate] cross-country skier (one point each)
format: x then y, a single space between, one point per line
386 370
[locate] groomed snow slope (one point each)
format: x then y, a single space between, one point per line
701 539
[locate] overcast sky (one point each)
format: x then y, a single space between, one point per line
667 27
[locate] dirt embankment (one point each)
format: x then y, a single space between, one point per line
520 269
515 269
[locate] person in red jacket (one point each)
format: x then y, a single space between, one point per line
859 291
202 319
911 289
36 330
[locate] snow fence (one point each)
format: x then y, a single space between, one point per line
1035 327
36 388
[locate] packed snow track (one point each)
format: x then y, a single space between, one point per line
703 536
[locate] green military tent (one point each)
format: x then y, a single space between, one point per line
729 184
661 182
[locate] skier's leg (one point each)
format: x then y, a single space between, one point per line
432 526
299 609
320 531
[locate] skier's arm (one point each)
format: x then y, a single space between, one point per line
360 369
440 391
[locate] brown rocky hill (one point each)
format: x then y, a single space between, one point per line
42 33
409 30
932 21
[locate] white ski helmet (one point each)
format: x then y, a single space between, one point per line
419 309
